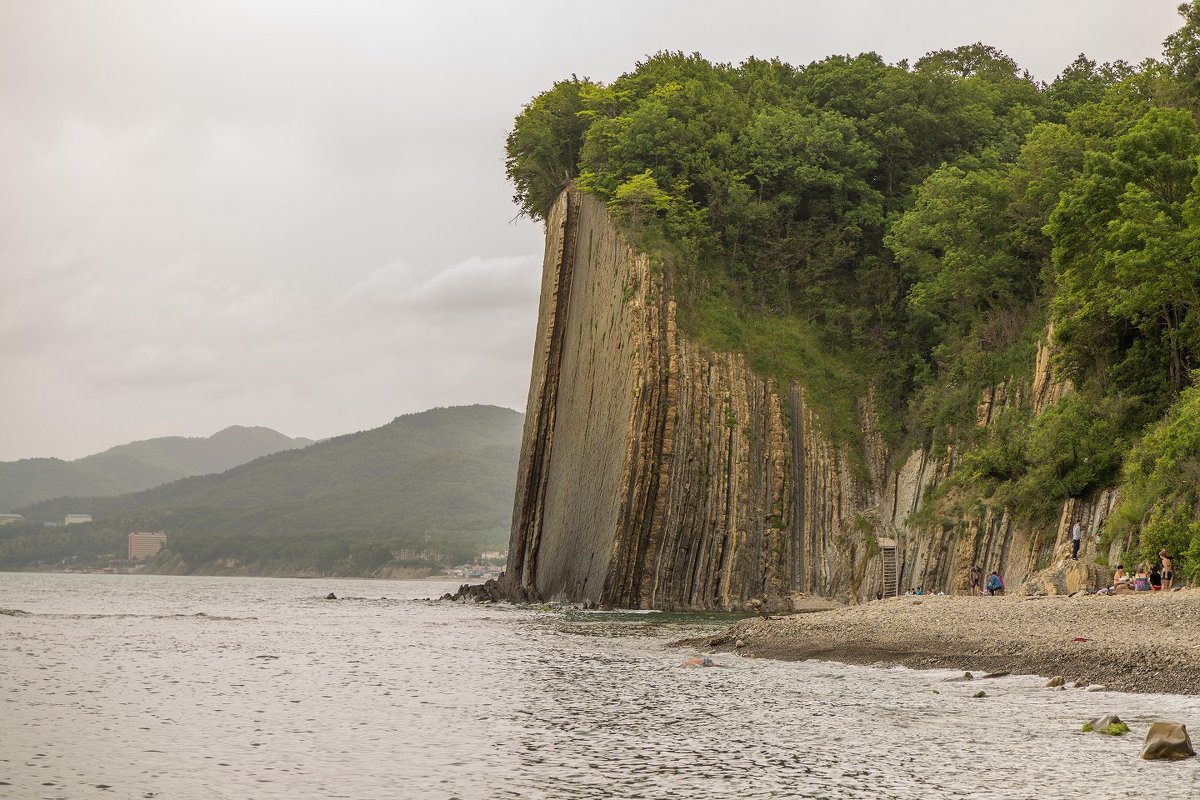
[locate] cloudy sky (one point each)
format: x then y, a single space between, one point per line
294 214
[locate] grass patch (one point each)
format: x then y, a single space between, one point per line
787 349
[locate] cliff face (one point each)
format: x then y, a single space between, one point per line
656 475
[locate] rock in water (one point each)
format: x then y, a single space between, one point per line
331 596
966 676
1057 680
980 693
1109 723
1167 740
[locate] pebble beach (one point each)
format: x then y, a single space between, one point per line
1128 642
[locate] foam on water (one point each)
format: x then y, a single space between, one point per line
144 686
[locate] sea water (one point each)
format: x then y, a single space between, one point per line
168 687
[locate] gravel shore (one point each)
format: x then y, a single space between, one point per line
1132 643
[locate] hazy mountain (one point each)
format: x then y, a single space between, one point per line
136 466
438 481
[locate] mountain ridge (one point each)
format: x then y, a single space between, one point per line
137 465
428 486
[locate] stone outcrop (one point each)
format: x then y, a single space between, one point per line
656 474
1109 724
1167 740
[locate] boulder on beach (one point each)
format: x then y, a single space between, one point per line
1167 740
1074 578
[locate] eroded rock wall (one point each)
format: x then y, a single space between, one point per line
655 474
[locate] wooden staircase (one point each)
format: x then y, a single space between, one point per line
891 568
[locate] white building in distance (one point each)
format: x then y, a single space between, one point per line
76 519
144 545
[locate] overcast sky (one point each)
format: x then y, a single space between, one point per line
294 214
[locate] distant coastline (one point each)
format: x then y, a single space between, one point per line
1129 643
399 574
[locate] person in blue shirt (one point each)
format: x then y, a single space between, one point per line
994 584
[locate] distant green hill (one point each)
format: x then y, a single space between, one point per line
136 466
432 486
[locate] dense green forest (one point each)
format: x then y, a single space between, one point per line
914 229
425 490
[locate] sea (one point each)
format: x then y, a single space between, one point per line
141 686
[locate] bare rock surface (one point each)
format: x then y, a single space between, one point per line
1100 724
1131 643
1167 740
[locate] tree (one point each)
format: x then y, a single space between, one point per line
543 146
1050 161
639 200
1181 51
813 205
969 61
952 246
1125 252
1084 81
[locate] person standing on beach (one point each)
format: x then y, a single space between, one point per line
1168 574
1075 541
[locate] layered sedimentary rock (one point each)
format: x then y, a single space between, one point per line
654 474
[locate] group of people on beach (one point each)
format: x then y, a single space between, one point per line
920 590
1148 578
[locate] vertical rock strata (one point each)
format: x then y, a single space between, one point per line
654 474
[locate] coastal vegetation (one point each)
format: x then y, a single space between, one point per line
913 230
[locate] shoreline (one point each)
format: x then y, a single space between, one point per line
271 575
1126 643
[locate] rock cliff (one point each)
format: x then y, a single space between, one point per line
654 474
